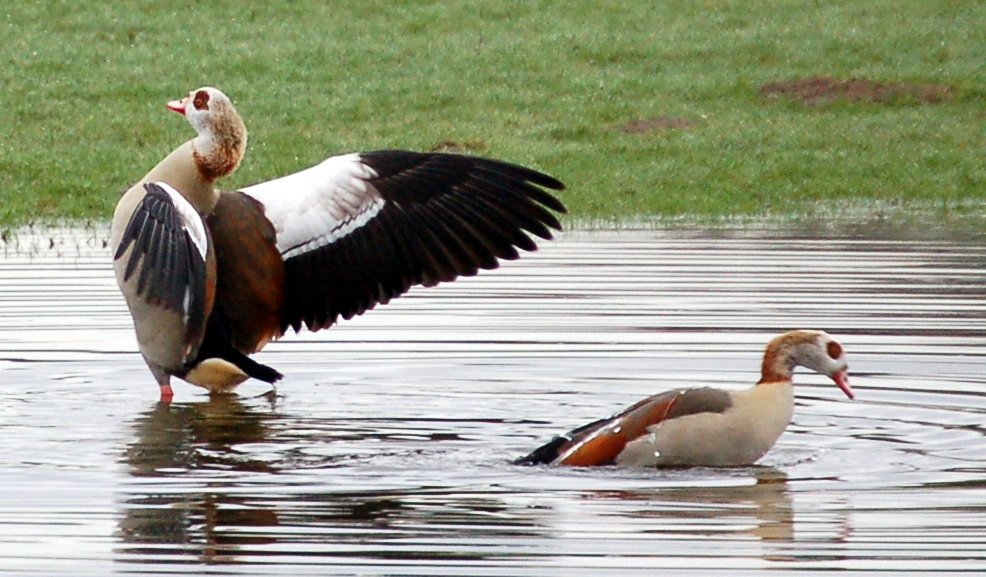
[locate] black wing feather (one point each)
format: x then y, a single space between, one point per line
480 242
548 452
169 263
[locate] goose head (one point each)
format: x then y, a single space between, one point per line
815 350
222 136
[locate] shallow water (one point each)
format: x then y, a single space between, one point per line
386 450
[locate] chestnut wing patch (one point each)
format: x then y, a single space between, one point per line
249 272
168 254
438 217
599 442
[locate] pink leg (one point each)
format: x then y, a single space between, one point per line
166 394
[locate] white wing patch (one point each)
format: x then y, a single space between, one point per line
190 219
319 205
343 228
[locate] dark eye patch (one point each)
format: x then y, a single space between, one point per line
201 100
834 349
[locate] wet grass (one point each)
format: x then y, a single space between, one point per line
644 109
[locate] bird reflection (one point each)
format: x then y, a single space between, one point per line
178 438
767 502
216 481
198 441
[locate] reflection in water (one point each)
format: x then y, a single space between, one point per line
177 441
762 508
203 490
212 481
194 436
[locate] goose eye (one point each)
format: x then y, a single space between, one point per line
834 349
201 100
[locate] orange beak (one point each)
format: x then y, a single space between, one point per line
841 378
178 105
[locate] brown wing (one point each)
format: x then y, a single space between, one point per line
599 442
250 284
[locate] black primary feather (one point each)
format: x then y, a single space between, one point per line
444 216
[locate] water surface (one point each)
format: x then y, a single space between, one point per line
386 450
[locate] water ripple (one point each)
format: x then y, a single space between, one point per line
386 450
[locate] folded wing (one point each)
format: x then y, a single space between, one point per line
599 442
170 245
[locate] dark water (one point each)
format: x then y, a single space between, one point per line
386 450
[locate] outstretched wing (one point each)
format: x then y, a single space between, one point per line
170 245
360 229
599 442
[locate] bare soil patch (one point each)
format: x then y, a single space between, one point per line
821 89
644 125
459 147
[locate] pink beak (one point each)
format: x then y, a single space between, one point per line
177 105
841 378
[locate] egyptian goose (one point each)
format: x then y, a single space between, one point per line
210 277
703 426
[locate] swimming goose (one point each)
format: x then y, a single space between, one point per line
210 277
703 426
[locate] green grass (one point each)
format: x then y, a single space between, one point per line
542 83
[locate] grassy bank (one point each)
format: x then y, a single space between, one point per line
643 108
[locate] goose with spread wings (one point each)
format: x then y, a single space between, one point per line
210 277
